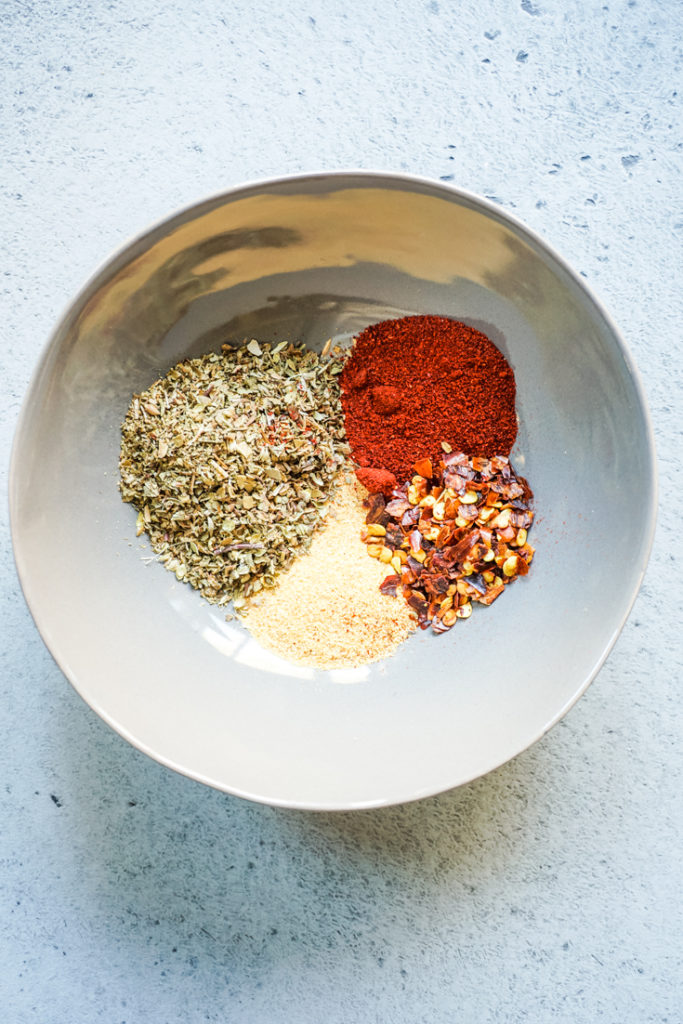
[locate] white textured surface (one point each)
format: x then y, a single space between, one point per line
547 891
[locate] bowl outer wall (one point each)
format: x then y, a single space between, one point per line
278 732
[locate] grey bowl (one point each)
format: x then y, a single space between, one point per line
309 258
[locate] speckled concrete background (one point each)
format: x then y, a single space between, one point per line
547 891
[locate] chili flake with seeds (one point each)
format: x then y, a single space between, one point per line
453 536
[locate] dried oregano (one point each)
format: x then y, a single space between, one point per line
231 459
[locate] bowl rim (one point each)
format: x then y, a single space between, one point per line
357 177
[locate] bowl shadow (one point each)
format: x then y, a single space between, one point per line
195 873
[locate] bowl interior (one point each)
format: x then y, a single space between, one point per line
308 259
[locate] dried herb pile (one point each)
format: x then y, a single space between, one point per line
231 459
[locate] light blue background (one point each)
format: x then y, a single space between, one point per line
547 891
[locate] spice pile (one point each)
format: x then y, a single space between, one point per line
235 462
413 383
230 460
453 535
327 609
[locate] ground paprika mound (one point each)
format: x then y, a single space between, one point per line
377 481
412 384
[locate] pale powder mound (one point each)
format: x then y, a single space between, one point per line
326 610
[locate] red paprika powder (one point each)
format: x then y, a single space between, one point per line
376 481
412 384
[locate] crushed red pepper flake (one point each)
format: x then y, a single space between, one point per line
454 536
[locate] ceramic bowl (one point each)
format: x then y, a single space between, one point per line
311 258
